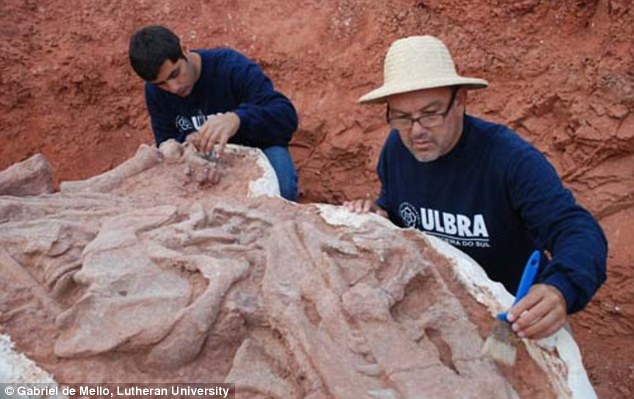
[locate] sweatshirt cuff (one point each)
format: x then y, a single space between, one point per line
567 289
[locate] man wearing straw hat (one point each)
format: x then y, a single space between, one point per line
480 187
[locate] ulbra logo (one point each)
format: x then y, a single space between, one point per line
183 124
456 229
409 215
456 225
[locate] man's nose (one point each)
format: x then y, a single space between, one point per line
417 129
172 86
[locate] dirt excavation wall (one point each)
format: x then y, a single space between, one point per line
560 73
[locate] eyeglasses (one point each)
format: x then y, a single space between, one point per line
405 123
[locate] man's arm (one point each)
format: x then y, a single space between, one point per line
162 117
265 116
556 224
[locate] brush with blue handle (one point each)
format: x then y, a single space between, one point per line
500 345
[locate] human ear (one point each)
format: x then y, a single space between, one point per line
461 97
184 51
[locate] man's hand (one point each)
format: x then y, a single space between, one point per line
218 129
202 171
364 206
541 313
193 139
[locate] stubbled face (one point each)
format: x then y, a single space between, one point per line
429 143
178 77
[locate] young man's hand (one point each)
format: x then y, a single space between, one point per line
217 131
364 206
541 313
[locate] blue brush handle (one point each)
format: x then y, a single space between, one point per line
528 276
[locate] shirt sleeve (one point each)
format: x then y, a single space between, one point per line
267 117
161 116
558 224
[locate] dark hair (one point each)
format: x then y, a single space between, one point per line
150 47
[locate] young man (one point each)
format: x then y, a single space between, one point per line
212 97
480 187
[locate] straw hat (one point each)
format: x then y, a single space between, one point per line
416 63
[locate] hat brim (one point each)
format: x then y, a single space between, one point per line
380 94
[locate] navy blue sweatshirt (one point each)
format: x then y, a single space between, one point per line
496 198
228 82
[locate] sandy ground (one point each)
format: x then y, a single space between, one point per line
560 74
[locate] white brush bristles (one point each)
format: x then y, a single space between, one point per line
503 352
